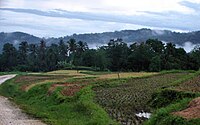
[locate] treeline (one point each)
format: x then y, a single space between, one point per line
152 55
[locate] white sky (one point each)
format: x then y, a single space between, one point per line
96 15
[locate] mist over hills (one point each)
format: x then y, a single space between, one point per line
97 39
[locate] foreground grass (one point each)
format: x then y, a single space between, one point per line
59 110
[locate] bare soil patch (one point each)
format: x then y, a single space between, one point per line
69 88
192 112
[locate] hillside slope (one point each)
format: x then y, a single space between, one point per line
94 39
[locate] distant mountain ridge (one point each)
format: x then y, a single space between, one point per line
128 36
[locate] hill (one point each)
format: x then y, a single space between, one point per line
94 39
16 37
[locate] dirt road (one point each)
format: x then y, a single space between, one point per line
10 114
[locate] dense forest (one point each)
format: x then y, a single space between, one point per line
152 55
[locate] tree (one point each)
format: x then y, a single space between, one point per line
63 51
140 57
155 65
174 58
23 56
88 58
170 49
195 56
9 57
33 58
42 56
151 55
156 45
81 47
1 63
72 45
181 58
101 61
168 58
118 55
72 49
51 57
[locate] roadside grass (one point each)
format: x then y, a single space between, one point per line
59 110
10 90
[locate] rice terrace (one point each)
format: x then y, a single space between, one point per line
67 97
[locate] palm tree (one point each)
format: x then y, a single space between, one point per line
81 46
72 45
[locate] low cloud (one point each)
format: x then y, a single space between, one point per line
188 46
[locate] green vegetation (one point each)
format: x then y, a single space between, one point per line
59 110
151 55
165 97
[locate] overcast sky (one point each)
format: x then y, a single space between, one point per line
54 18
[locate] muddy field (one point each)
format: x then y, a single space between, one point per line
122 102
